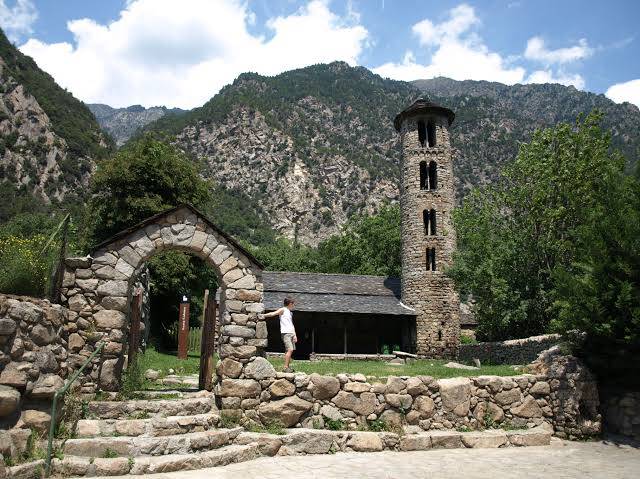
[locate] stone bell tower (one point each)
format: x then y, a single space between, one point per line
428 237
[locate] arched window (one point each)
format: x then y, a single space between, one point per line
433 175
431 259
431 134
432 222
422 133
424 176
439 334
426 220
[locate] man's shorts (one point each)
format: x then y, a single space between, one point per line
287 339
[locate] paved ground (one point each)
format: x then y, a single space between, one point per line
560 460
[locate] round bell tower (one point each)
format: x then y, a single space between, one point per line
427 199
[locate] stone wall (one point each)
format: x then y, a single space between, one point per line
513 351
559 397
33 365
621 411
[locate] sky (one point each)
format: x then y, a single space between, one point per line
179 53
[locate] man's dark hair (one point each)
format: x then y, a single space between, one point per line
288 301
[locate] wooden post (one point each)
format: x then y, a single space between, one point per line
183 328
313 340
345 337
134 327
208 343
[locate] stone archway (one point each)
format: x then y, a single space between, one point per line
97 289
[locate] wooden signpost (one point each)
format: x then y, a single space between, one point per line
207 345
183 328
134 328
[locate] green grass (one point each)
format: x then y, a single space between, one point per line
421 367
162 361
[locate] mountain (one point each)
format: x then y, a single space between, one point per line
122 123
49 141
310 147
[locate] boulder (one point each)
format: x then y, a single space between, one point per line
238 352
425 406
488 410
400 401
151 374
416 387
9 400
394 385
356 387
364 405
7 326
391 418
281 388
109 374
456 395
540 388
109 319
76 343
230 368
259 368
365 442
119 303
323 387
331 412
528 409
244 388
46 386
508 397
288 410
13 376
306 441
41 334
113 288
233 330
34 419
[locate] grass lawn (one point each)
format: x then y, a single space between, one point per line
421 367
153 359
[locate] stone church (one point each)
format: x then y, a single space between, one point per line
419 312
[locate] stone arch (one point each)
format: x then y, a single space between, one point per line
98 289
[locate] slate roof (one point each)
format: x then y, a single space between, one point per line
423 106
335 293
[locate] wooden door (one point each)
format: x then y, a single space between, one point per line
208 342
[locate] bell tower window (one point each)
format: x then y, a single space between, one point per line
424 176
433 175
431 259
422 133
431 134
429 221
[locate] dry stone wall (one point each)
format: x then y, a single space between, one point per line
512 351
560 397
33 365
621 412
98 289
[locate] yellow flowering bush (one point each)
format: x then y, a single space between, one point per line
23 270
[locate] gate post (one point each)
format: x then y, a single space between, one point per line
207 345
183 328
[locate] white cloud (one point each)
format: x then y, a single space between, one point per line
163 52
17 20
458 52
537 51
627 91
547 76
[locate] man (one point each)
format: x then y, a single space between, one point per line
287 331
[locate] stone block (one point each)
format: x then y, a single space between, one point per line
259 369
43 334
229 367
415 442
445 440
484 439
456 395
9 400
528 409
244 388
113 288
323 387
254 308
7 326
365 442
109 319
46 386
238 352
288 410
119 303
233 330
232 276
246 282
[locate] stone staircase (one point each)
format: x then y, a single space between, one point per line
158 435
151 435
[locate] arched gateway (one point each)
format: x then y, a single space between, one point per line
98 289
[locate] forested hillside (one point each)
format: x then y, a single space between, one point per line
49 140
313 146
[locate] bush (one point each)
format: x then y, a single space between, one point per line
23 270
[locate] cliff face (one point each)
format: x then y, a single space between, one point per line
49 141
123 123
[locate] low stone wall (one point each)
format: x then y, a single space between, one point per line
621 413
33 365
513 351
558 394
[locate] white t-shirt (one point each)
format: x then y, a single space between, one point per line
286 322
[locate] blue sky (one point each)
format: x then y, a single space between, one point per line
180 53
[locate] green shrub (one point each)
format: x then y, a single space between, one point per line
334 425
23 270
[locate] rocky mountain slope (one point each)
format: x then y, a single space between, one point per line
122 123
311 147
49 141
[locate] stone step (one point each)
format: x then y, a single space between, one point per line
127 446
79 466
152 407
155 426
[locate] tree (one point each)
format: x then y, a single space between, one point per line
144 178
368 245
514 236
